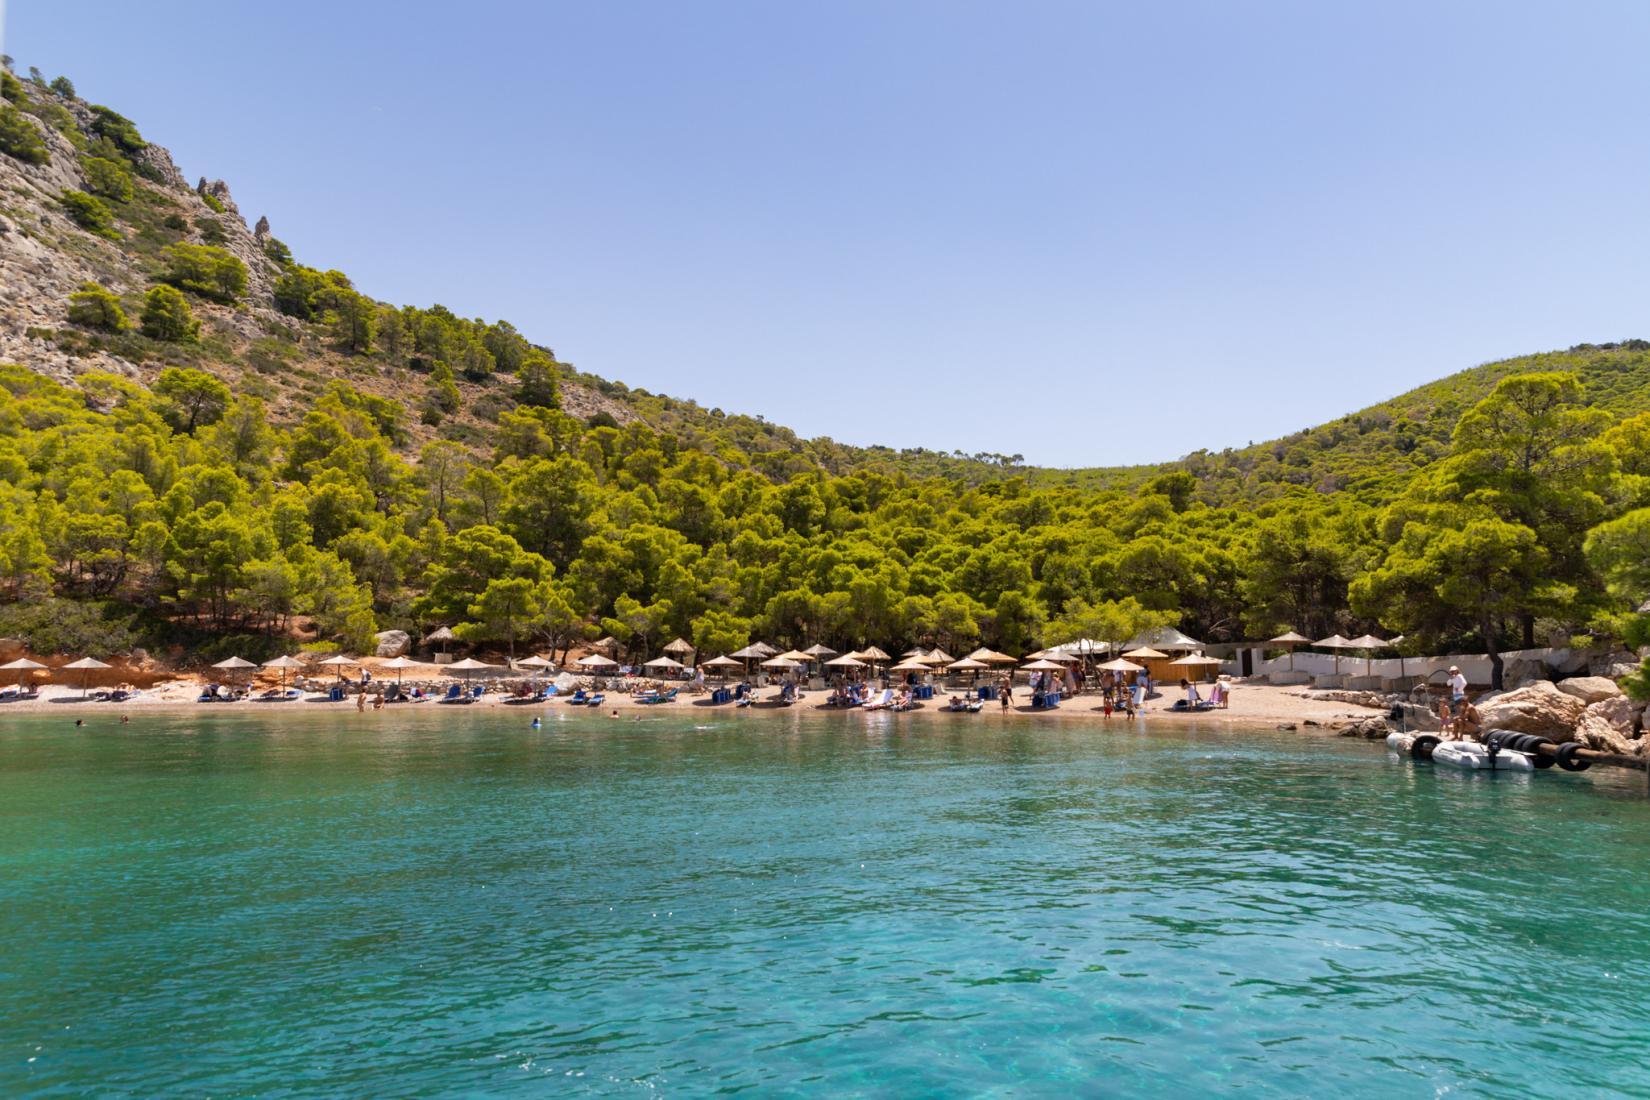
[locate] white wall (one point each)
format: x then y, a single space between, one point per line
1476 666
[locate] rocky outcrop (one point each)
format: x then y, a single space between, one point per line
1379 699
1590 689
1609 725
391 643
1614 665
156 163
1535 708
1370 729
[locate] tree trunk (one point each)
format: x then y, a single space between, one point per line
1527 621
1490 647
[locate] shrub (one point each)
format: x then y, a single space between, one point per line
95 307
167 316
277 251
12 88
19 138
89 212
118 129
212 201
443 391
205 270
211 230
70 626
64 87
176 222
538 382
108 178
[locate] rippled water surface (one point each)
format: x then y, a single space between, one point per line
434 903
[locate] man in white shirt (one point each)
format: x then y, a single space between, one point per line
1457 685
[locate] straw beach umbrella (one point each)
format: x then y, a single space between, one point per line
1369 644
820 653
1146 653
669 664
1122 665
22 666
235 665
873 655
847 660
443 634
85 666
595 661
400 665
535 661
1337 643
285 663
1198 661
757 652
1289 640
723 662
467 666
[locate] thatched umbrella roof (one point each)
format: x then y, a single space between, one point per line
680 645
596 660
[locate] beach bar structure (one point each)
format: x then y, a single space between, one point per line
1158 649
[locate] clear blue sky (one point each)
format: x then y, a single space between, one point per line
1084 232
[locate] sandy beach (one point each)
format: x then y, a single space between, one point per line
1251 705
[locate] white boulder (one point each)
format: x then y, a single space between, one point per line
1535 708
1590 689
391 643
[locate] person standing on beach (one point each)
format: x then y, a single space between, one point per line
1457 686
1007 695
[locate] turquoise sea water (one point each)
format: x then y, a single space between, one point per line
432 903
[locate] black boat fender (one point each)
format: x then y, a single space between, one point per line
1567 757
1531 743
1421 748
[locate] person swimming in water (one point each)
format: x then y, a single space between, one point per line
535 724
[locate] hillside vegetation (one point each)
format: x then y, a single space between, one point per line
207 443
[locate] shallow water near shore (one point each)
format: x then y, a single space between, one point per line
425 902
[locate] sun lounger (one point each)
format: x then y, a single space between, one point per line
881 702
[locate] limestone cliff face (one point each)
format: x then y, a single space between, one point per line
45 257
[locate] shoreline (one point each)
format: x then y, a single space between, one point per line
1251 706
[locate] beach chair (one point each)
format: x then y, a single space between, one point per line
579 698
882 701
454 693
597 700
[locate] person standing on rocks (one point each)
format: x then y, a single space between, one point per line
1457 686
